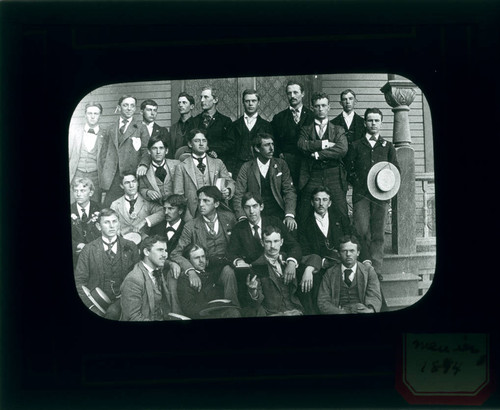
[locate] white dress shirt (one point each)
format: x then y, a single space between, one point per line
348 118
216 224
351 276
372 143
86 208
263 168
114 248
174 226
250 120
322 222
89 139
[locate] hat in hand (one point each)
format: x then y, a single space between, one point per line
383 180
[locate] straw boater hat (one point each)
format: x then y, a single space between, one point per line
100 301
383 180
134 237
216 306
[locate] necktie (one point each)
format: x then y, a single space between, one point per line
91 131
109 251
372 138
157 274
170 229
123 127
132 203
211 227
296 115
84 216
201 166
256 232
321 130
160 173
347 281
206 120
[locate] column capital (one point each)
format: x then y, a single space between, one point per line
399 94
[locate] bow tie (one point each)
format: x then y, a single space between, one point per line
170 229
91 131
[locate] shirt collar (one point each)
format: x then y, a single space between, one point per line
321 122
368 136
259 224
149 268
86 128
299 108
350 115
175 225
208 220
251 117
354 268
159 165
106 240
321 218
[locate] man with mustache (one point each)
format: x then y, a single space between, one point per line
349 287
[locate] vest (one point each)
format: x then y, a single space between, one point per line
245 149
326 163
281 299
201 179
112 274
271 207
88 159
349 295
158 312
216 244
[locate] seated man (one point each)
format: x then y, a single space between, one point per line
270 293
245 245
158 183
349 287
144 294
104 262
84 213
270 177
211 230
135 213
196 303
320 233
200 170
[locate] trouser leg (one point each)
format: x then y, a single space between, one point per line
227 279
171 285
361 215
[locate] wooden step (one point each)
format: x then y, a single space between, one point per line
398 303
399 285
416 263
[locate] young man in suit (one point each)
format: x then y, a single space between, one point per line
349 287
149 111
124 148
105 262
215 125
200 170
324 145
84 213
245 245
245 129
211 229
270 177
267 284
158 183
85 147
144 293
179 130
136 214
369 213
353 124
320 233
193 301
286 128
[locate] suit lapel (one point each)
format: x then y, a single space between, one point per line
150 175
189 166
256 172
139 204
211 169
129 132
149 289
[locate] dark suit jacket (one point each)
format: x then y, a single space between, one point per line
125 156
359 160
196 231
309 143
238 132
286 132
310 236
89 269
177 138
368 289
243 245
137 301
83 232
217 134
161 229
269 294
280 181
357 129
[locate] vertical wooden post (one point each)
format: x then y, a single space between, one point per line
399 94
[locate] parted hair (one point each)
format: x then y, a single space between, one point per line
270 229
106 212
192 247
82 181
157 138
148 242
251 195
257 140
373 111
250 91
213 91
324 189
148 102
193 133
347 92
210 191
189 97
350 238
319 96
294 82
123 97
177 200
93 104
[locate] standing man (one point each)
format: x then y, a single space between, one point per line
245 129
149 111
104 262
84 149
211 230
215 125
349 287
158 183
179 130
353 124
200 170
135 213
270 178
144 294
84 213
124 148
286 128
324 145
369 213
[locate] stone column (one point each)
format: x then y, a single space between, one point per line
399 94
